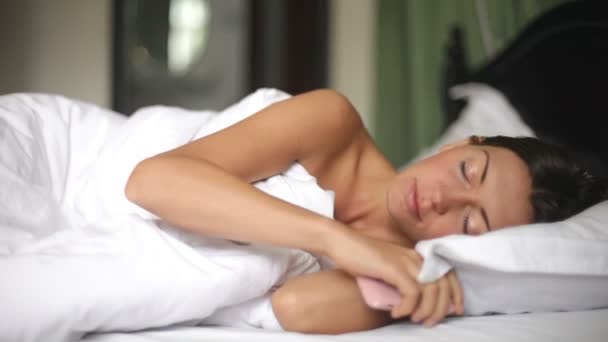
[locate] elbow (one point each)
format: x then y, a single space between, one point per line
131 187
136 178
287 307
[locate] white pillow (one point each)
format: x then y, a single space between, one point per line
531 268
560 266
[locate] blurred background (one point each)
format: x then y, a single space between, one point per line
387 56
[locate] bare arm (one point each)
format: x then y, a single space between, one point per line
204 186
327 302
330 302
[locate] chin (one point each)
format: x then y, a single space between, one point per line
414 236
419 232
396 210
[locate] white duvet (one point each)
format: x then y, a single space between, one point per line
76 256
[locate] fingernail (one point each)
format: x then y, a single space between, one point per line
451 309
429 323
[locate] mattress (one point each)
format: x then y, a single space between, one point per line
588 326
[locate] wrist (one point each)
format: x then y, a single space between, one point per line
334 233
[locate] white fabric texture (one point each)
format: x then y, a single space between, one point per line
541 267
76 256
531 268
587 326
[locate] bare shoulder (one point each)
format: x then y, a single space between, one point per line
313 128
338 135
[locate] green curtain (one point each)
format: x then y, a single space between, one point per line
411 39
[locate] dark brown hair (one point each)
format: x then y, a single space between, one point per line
560 187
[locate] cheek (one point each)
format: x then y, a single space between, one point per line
443 225
396 200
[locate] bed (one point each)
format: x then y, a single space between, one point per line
557 327
518 92
549 82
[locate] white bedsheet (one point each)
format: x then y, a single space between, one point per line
76 256
588 326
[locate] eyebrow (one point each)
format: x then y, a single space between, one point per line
485 168
485 218
483 178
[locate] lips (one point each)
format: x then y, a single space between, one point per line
412 201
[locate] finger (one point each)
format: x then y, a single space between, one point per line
416 258
410 290
427 303
410 293
409 301
442 305
456 293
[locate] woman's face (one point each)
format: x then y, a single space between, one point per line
465 189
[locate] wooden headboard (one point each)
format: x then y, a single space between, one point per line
555 74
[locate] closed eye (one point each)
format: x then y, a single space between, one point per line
463 171
465 226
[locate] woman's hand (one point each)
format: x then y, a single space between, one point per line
361 255
398 266
439 299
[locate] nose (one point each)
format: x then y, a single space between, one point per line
443 199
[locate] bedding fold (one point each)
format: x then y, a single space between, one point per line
76 256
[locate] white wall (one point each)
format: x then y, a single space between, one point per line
58 46
352 52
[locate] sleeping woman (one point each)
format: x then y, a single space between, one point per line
470 187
